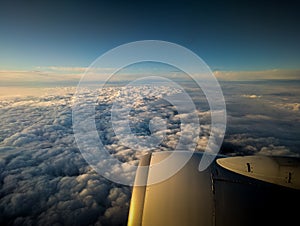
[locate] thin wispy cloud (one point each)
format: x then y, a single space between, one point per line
251 96
61 69
273 74
66 69
55 74
30 77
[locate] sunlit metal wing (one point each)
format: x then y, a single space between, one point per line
233 191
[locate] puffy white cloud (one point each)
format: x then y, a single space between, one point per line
44 179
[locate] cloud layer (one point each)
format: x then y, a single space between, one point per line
46 181
44 178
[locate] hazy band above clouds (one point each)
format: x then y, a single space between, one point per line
43 76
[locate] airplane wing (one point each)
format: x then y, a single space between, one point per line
232 191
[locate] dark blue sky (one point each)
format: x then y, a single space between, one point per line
227 35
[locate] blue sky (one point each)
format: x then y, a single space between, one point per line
228 35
